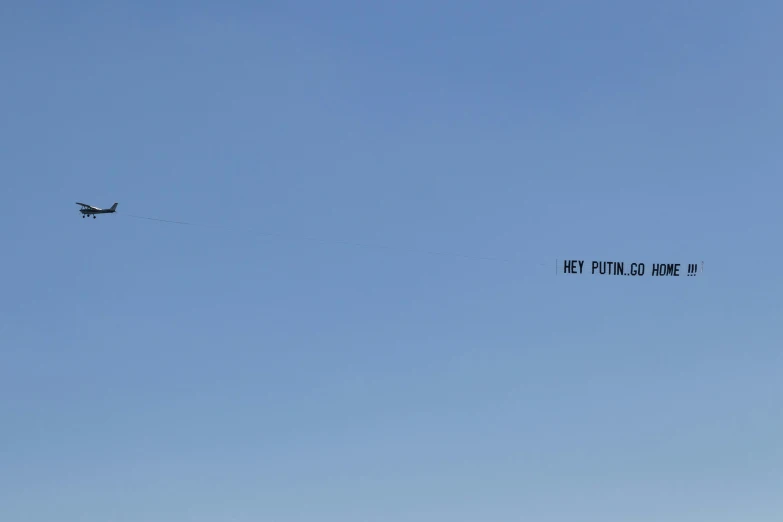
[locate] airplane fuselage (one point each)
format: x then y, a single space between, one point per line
89 211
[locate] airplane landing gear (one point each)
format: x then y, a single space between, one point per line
93 217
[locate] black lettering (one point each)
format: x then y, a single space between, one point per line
676 270
581 264
656 269
619 268
670 269
595 265
641 269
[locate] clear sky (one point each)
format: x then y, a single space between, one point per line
161 372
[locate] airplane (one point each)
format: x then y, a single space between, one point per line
88 210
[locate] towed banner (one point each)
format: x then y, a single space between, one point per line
620 268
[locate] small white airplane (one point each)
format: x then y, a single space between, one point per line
89 210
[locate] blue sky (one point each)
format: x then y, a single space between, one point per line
152 371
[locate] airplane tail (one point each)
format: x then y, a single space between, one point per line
113 207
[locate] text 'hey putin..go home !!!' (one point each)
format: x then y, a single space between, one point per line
620 268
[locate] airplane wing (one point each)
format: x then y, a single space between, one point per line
87 206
